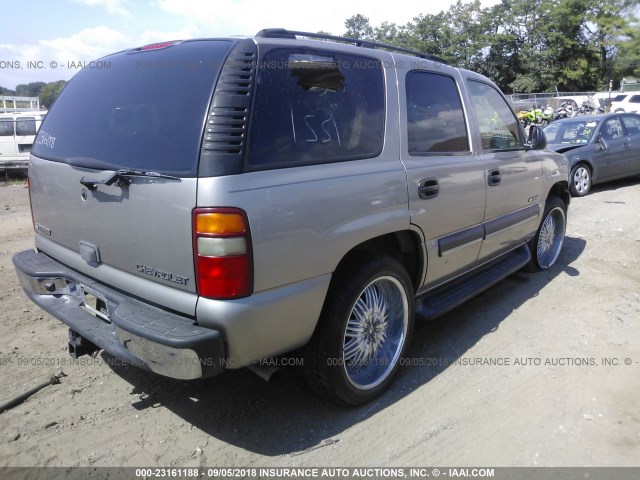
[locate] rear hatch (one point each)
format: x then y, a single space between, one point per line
141 112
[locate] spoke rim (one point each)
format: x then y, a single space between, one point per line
551 238
581 180
375 332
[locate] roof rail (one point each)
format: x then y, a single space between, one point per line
292 34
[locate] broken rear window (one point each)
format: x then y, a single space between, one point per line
316 107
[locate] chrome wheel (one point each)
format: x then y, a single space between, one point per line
375 332
551 237
581 181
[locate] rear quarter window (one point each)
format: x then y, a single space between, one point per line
316 107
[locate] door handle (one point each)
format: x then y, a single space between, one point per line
428 188
493 177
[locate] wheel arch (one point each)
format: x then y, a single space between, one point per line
405 246
560 190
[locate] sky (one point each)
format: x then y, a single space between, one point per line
49 40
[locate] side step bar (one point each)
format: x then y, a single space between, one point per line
439 301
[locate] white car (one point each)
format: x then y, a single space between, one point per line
630 104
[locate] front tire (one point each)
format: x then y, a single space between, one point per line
547 243
580 180
363 330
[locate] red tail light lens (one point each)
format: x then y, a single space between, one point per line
222 252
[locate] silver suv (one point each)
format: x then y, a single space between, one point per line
210 204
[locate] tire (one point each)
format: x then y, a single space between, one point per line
363 331
547 243
580 180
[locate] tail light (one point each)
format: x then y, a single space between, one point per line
222 253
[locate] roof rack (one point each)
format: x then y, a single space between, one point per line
292 34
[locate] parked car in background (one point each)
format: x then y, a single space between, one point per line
629 104
17 133
599 148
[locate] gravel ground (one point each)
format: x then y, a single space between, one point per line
540 370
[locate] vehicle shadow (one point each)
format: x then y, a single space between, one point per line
285 417
616 184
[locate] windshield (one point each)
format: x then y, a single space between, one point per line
571 133
143 110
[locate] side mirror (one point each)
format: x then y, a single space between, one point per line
537 138
601 145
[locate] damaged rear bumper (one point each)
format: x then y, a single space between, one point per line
132 331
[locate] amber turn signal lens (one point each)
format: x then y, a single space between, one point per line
220 223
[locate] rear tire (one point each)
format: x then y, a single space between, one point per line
547 243
363 330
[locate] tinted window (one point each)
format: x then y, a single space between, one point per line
635 99
146 110
632 124
316 107
26 126
6 128
435 119
498 126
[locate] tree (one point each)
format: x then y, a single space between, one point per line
358 27
525 45
30 89
628 57
608 23
50 92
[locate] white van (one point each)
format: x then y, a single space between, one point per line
17 133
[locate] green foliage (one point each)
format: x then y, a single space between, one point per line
50 92
525 45
47 92
30 89
358 27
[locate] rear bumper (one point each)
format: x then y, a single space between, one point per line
132 331
9 163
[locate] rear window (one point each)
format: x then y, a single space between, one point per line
316 107
140 110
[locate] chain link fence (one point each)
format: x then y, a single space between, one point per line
527 101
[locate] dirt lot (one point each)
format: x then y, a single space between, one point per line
563 388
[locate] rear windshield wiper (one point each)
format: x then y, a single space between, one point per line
120 178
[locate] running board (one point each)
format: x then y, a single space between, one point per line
442 299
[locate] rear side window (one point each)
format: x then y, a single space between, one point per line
142 110
435 119
316 107
497 123
635 99
26 126
632 124
6 128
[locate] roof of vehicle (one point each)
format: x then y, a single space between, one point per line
294 34
592 118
